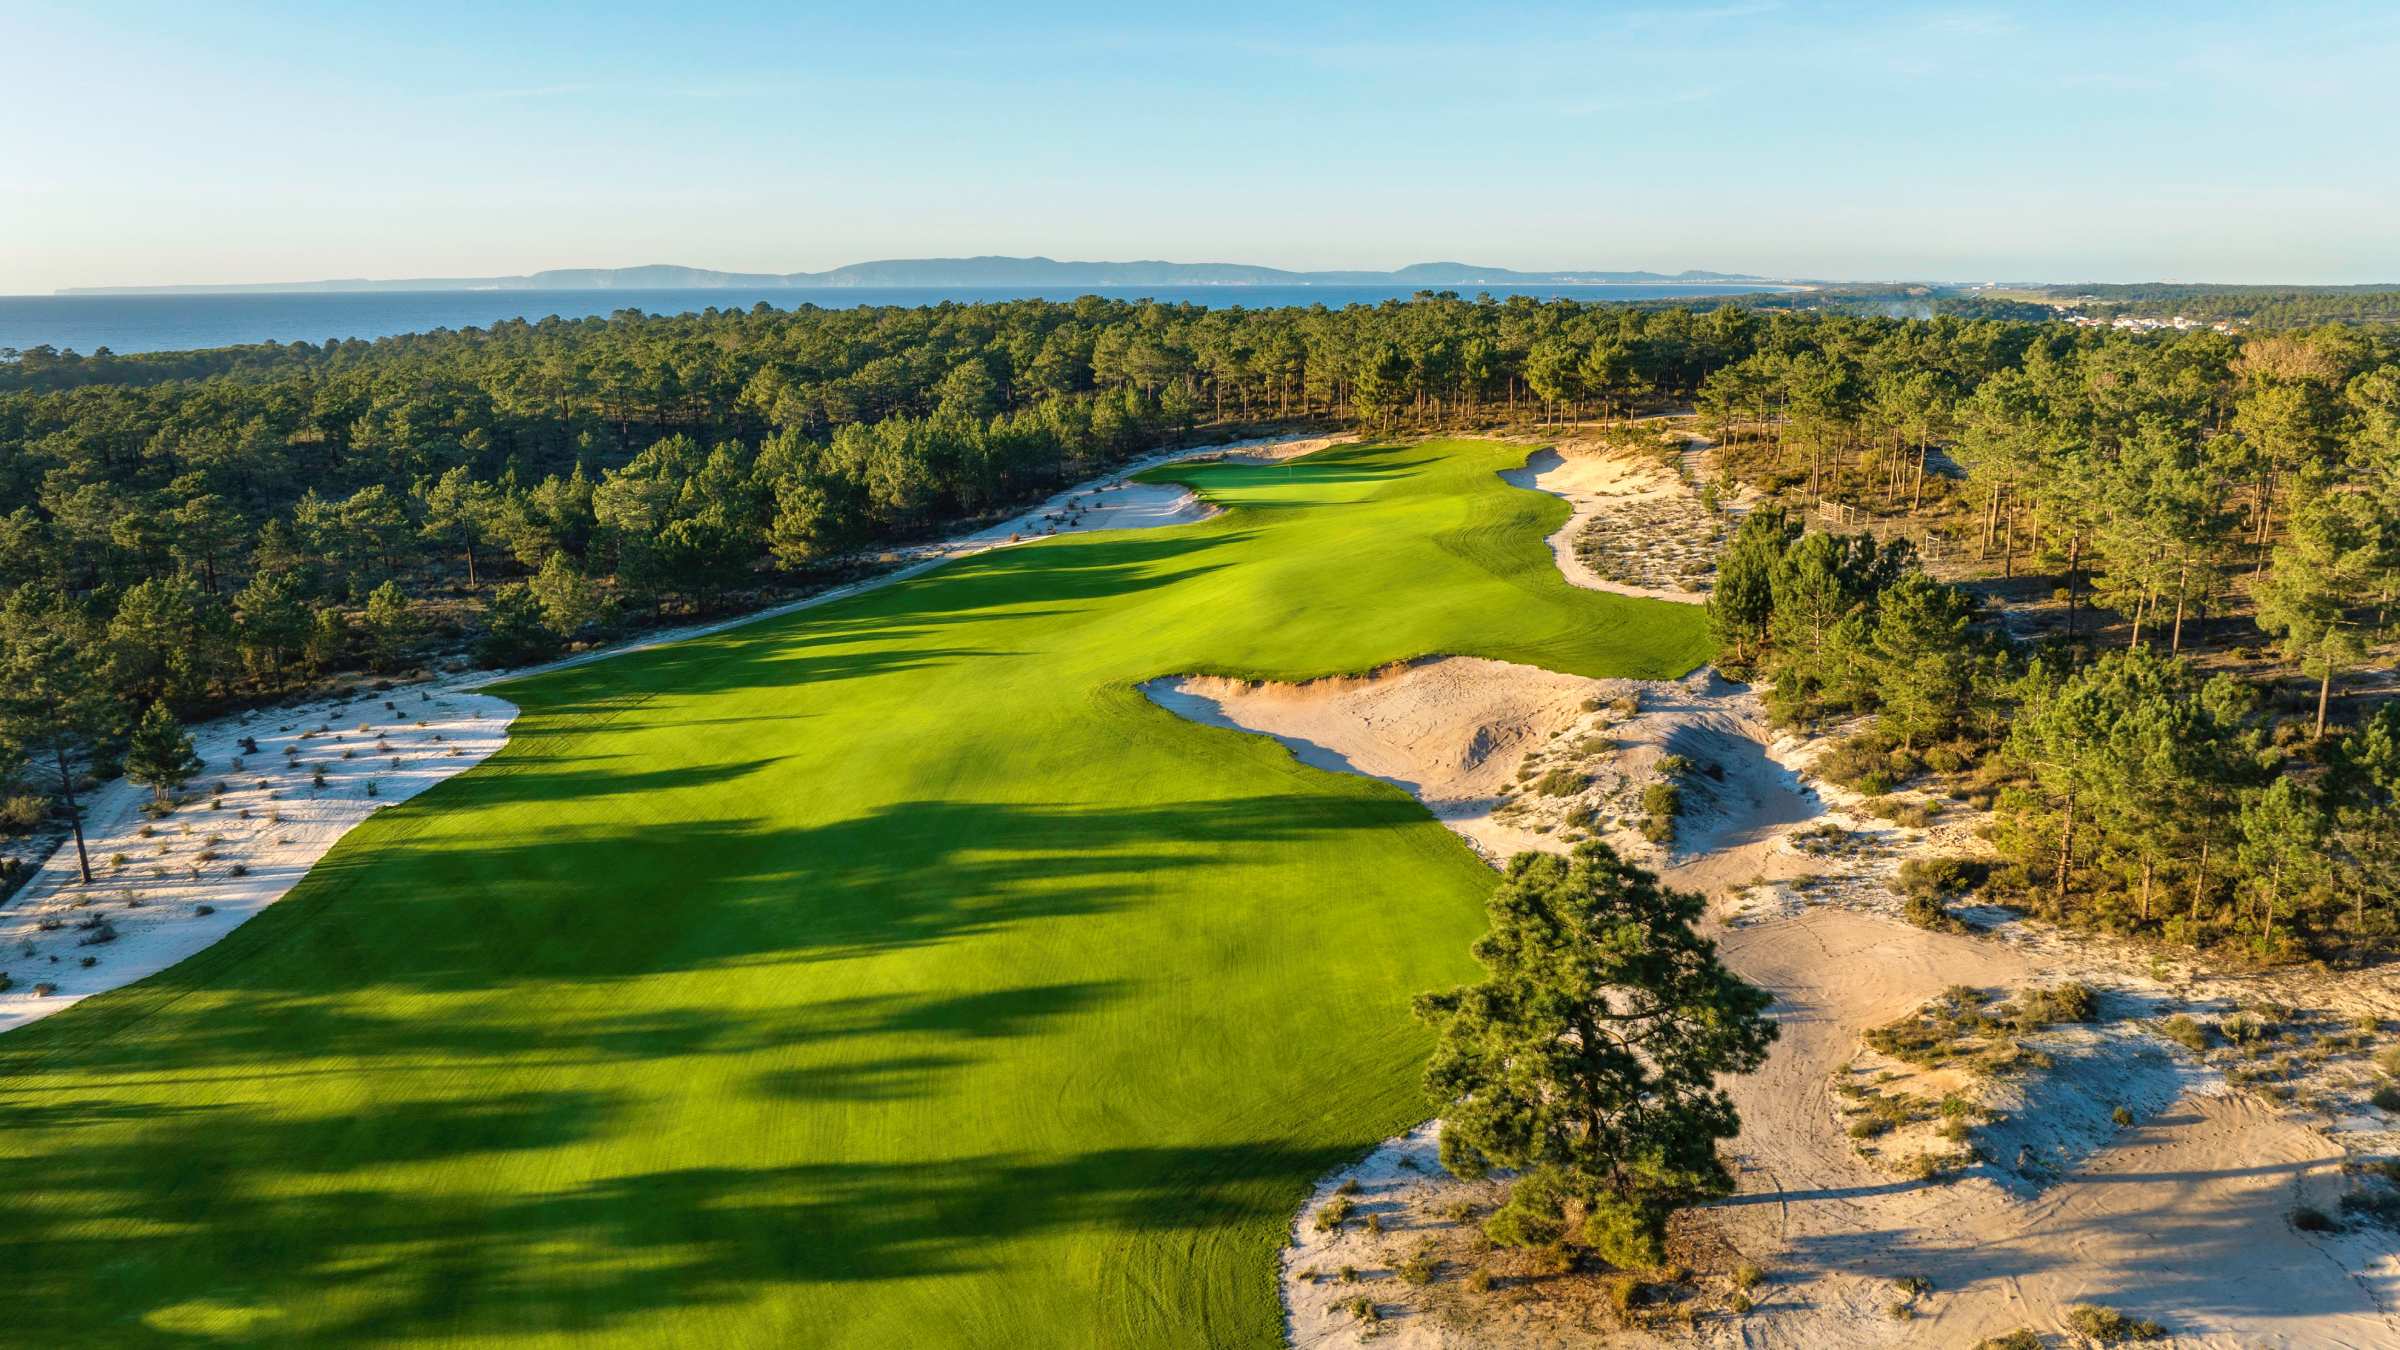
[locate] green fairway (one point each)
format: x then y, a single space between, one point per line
888 974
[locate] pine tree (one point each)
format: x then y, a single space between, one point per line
2327 565
160 755
391 625
53 705
1743 599
1588 1057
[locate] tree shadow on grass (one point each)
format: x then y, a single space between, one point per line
605 903
593 907
315 1216
365 1261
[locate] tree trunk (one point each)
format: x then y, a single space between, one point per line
2324 696
2176 645
2074 592
66 789
2273 896
2199 889
2066 849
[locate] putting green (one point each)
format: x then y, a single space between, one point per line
890 974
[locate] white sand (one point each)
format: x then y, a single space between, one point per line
272 835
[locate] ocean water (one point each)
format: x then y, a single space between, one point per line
159 323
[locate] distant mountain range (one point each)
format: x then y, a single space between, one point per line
957 272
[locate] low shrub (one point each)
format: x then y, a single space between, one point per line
2110 1327
2185 1031
1561 782
2310 1219
1862 763
2020 1339
1926 911
1942 878
23 812
2249 1028
2069 1002
1662 801
1336 1212
1624 1294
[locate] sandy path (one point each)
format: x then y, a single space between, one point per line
188 879
2185 1221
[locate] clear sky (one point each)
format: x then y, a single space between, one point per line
216 142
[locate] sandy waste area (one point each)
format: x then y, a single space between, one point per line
2127 1171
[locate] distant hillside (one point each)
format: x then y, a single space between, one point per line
988 271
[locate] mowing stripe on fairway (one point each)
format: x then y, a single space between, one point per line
890 973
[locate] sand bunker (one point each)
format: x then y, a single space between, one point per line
1636 529
1515 757
249 827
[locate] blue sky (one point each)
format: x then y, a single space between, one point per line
180 143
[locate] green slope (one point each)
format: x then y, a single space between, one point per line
888 974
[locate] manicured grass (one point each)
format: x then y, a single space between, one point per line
889 974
